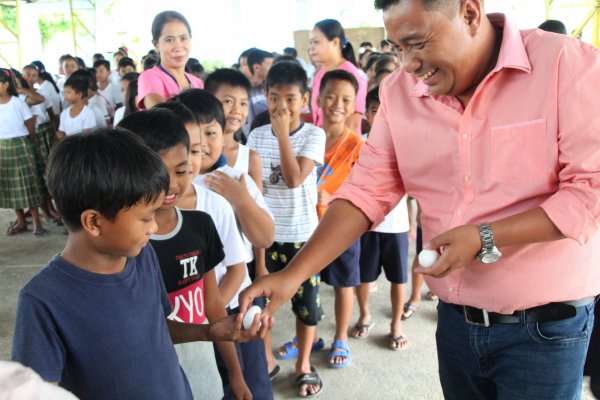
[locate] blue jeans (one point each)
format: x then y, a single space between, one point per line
525 360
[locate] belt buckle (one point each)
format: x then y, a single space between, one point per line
486 318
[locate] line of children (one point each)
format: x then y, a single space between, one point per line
291 150
78 116
94 319
246 200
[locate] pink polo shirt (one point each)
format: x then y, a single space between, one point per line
361 96
156 80
529 137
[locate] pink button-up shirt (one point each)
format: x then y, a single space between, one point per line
529 137
157 80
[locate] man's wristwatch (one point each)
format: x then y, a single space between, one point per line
489 252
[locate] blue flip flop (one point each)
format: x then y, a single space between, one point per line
291 349
343 351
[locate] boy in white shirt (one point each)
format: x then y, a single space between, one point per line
106 88
78 117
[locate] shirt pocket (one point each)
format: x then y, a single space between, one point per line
519 152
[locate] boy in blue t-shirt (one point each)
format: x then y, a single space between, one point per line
94 319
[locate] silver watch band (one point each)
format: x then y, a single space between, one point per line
487 237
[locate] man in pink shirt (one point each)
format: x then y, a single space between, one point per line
494 132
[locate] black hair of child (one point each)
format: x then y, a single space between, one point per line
103 62
88 74
205 107
373 96
107 170
287 73
126 62
7 77
185 115
226 76
338 75
290 51
160 129
79 83
131 96
193 66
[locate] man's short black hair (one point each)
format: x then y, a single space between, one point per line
104 63
338 75
257 56
226 76
372 96
287 73
205 107
290 51
79 84
427 4
553 25
107 170
160 129
126 62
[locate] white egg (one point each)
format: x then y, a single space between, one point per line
249 316
428 257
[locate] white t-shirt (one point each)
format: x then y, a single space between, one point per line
222 214
253 191
40 111
111 93
242 161
99 115
396 221
12 118
119 114
101 103
294 210
47 90
85 120
114 77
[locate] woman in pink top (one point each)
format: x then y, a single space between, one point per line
330 48
172 37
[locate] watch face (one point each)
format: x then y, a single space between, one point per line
490 257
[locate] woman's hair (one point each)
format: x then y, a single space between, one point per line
130 97
6 76
45 75
163 18
332 29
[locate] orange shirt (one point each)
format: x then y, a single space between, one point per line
339 160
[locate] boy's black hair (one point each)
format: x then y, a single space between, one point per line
107 170
384 43
131 76
287 73
257 56
125 62
226 76
246 52
553 25
149 61
290 51
98 56
66 57
365 44
184 114
160 129
383 61
338 75
205 107
104 63
79 84
193 66
373 96
285 57
373 58
90 75
80 62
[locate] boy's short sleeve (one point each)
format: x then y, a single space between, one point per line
44 352
164 298
63 120
89 120
314 146
214 246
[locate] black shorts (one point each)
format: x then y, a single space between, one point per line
419 240
344 271
384 250
306 303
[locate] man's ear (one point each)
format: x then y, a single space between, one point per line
471 12
91 221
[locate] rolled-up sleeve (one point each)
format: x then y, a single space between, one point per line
375 185
575 207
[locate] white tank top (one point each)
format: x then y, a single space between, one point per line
242 162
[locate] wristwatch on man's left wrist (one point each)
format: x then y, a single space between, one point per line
489 252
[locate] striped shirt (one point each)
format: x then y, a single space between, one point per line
294 210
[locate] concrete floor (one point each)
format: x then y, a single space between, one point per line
375 370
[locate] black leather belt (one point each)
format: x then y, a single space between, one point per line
545 313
